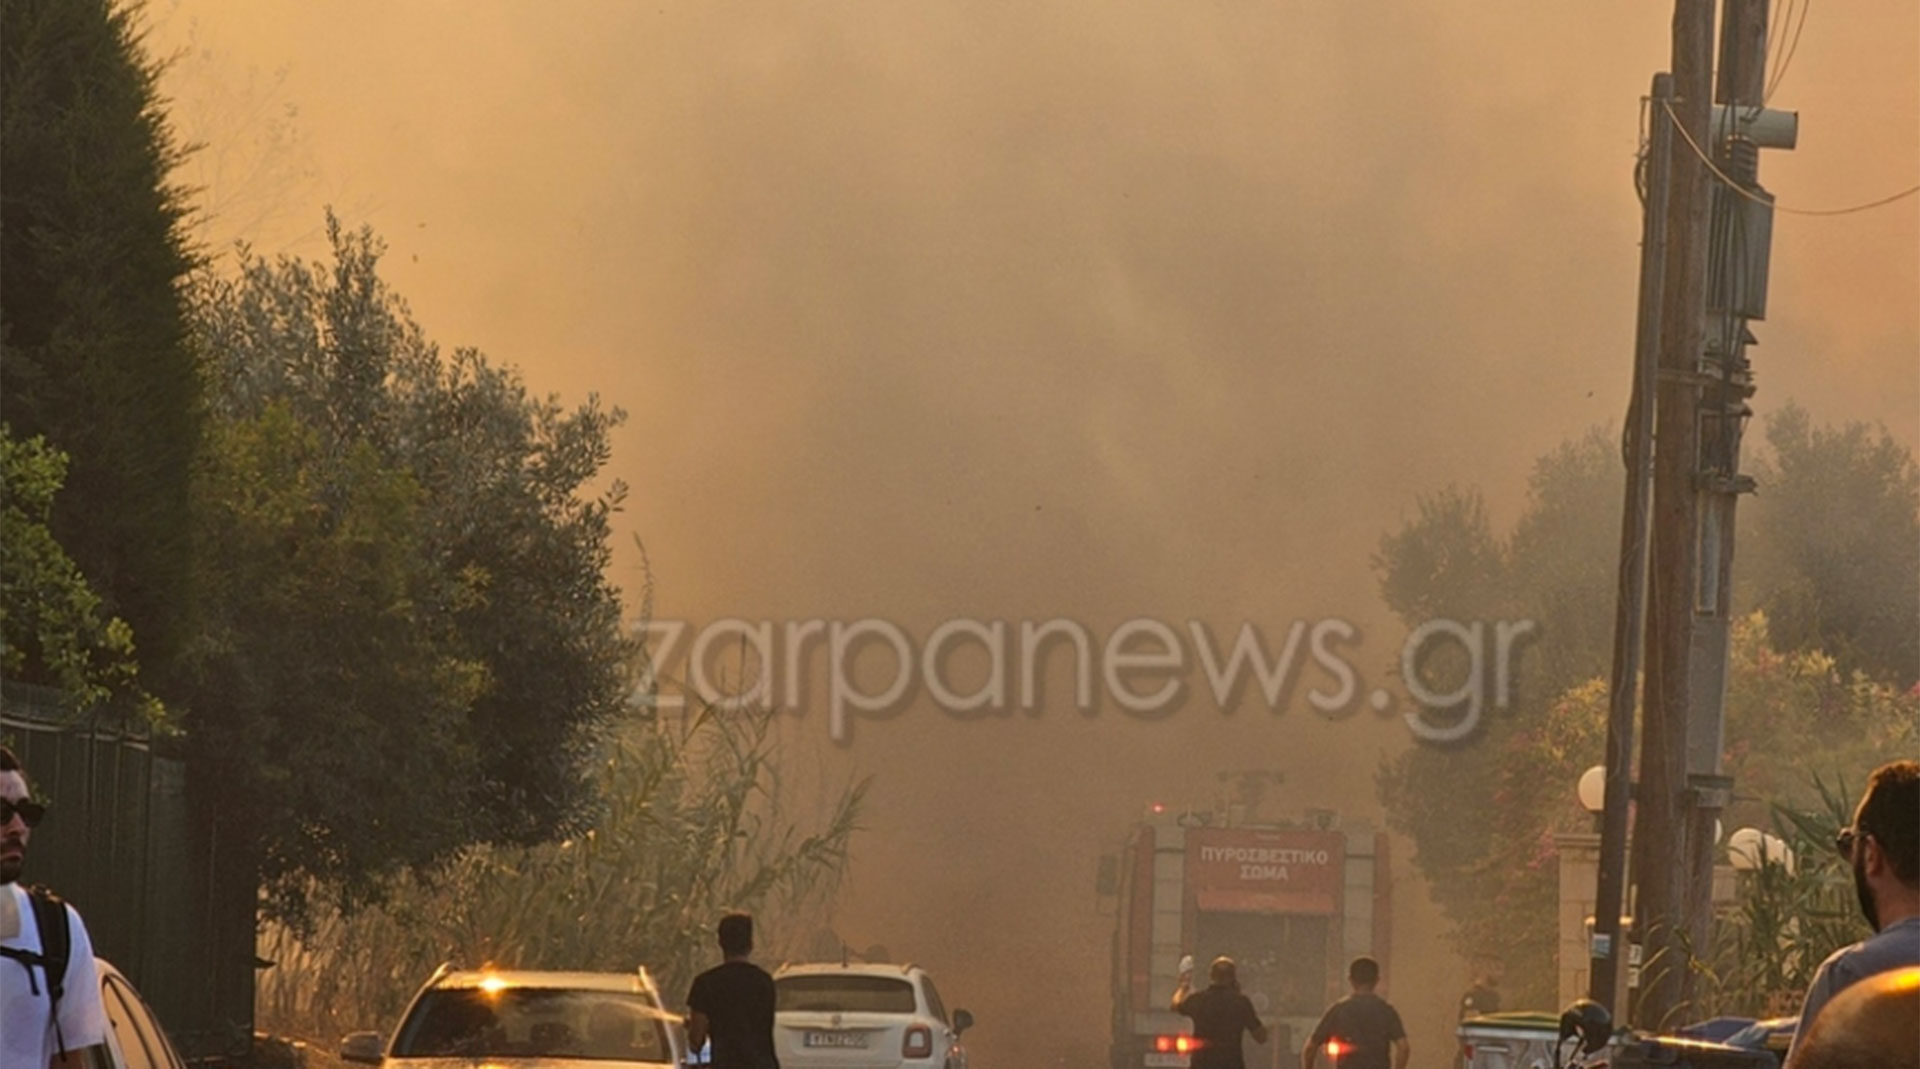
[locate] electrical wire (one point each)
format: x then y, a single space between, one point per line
1778 19
1751 195
1641 154
1773 32
1786 59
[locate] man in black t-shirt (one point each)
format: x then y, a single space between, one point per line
1365 1029
732 1004
1220 1014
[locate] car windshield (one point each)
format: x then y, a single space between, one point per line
844 994
530 1022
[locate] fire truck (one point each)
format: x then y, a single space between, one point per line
1291 901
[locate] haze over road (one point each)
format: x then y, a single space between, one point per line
1081 309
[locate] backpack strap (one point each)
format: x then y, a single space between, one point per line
29 961
56 939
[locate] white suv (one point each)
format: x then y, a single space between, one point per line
864 1017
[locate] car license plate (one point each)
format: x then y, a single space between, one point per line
838 1040
1167 1061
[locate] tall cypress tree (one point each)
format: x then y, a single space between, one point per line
93 334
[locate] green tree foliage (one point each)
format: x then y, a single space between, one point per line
93 353
690 825
1558 567
52 630
1794 721
1838 565
329 721
1449 564
475 558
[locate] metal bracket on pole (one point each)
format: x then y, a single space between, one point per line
1721 483
1696 379
1707 791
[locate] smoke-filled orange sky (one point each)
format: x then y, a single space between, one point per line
1081 308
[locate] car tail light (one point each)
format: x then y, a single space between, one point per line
918 1044
1337 1049
1175 1044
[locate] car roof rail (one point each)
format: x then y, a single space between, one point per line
907 968
440 973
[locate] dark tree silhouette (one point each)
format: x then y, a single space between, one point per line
93 350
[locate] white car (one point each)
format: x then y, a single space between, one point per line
864 1017
134 1037
466 1018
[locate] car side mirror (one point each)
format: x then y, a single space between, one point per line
365 1048
962 1020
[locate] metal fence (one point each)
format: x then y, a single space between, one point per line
124 844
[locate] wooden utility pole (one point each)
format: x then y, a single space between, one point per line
1607 945
1703 278
1735 294
1662 851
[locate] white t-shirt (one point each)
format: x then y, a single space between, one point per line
26 1030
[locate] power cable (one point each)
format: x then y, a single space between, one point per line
1786 59
1776 31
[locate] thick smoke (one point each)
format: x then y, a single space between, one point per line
1079 309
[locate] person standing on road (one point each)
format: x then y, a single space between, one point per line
1220 1014
50 1011
1365 1026
1883 846
732 1004
1482 997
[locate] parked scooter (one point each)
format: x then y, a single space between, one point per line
1591 1024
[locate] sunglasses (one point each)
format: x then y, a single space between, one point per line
1848 836
30 812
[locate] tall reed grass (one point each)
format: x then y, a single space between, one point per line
691 824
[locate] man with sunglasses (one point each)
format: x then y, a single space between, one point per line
32 1031
1883 846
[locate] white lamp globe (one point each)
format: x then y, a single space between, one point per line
1780 853
1745 848
1593 789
